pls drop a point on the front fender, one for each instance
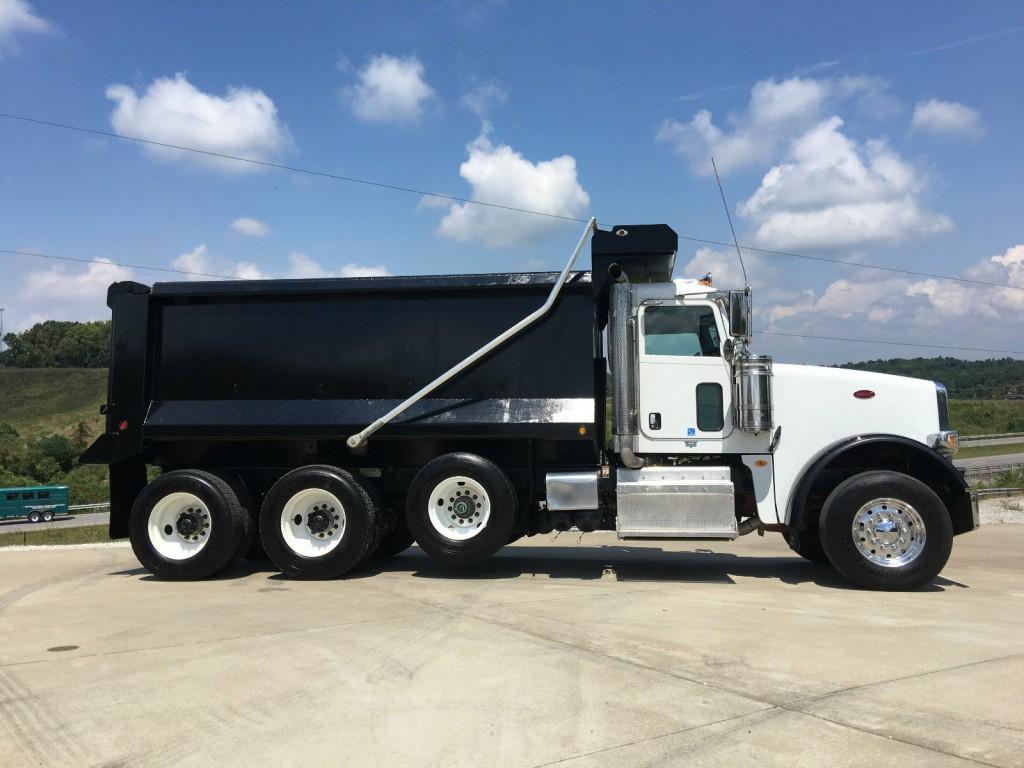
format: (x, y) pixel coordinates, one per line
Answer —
(880, 451)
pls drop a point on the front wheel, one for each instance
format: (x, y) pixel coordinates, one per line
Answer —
(886, 530)
(34, 517)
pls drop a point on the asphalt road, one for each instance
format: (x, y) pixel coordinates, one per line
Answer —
(689, 653)
(68, 521)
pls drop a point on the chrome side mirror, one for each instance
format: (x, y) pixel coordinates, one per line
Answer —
(740, 324)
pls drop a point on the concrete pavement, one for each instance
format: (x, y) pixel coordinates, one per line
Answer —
(65, 521)
(601, 654)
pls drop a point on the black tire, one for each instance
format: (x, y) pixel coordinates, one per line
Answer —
(807, 544)
(250, 521)
(227, 525)
(840, 513)
(48, 516)
(358, 535)
(34, 517)
(383, 519)
(256, 553)
(395, 541)
(491, 537)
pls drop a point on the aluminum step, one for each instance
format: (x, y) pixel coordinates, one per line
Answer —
(675, 503)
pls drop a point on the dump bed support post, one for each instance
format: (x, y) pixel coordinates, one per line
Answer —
(358, 439)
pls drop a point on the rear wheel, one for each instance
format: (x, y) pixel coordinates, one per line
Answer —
(886, 530)
(48, 516)
(250, 520)
(461, 508)
(186, 525)
(395, 541)
(318, 522)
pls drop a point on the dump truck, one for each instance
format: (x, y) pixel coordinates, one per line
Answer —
(327, 422)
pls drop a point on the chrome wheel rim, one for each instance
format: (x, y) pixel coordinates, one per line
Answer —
(889, 533)
(459, 508)
(313, 522)
(179, 526)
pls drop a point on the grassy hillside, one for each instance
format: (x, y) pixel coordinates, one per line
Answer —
(42, 401)
(986, 417)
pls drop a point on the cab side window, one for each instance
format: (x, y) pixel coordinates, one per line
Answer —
(681, 332)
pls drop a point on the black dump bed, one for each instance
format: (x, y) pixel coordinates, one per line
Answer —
(323, 358)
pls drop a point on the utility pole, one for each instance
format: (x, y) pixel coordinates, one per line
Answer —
(1, 329)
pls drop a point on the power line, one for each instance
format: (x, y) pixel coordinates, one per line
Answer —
(114, 264)
(859, 264)
(291, 168)
(766, 333)
(468, 201)
(890, 343)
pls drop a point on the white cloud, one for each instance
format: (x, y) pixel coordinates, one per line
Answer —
(776, 111)
(483, 98)
(300, 265)
(304, 266)
(61, 283)
(946, 117)
(390, 89)
(198, 263)
(499, 174)
(927, 311)
(16, 17)
(831, 192)
(358, 270)
(242, 123)
(844, 299)
(250, 227)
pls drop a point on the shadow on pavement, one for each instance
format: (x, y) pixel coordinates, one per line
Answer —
(621, 563)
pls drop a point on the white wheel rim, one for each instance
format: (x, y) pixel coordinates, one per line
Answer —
(313, 522)
(459, 508)
(179, 526)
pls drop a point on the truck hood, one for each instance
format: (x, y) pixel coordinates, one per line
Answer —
(820, 404)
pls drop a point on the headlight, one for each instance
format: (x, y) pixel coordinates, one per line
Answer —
(946, 442)
(942, 400)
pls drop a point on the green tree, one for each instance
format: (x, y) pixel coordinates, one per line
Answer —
(80, 435)
(59, 344)
(57, 448)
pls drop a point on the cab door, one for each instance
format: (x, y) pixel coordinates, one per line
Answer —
(684, 382)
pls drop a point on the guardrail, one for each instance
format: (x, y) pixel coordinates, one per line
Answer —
(990, 472)
(78, 507)
(982, 492)
(965, 439)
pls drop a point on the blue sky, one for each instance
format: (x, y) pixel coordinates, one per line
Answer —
(878, 132)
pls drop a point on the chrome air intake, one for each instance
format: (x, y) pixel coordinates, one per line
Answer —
(621, 354)
(753, 385)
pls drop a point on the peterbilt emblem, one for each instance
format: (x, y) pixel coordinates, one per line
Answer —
(864, 394)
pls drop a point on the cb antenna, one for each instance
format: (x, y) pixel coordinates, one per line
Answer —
(725, 205)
